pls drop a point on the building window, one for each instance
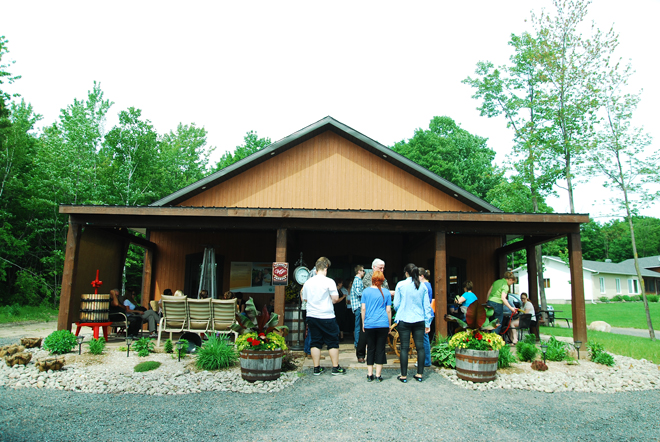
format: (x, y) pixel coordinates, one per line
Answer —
(618, 286)
(633, 287)
(602, 285)
(649, 283)
(546, 283)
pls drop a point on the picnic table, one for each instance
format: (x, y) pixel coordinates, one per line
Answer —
(552, 318)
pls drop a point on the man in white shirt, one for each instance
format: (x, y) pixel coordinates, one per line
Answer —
(320, 293)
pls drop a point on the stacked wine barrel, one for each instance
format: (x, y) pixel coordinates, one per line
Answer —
(94, 307)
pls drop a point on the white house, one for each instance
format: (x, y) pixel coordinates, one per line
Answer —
(600, 279)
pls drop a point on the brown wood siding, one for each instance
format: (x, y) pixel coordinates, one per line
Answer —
(479, 254)
(327, 172)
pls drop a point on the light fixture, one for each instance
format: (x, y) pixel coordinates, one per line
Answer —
(179, 347)
(80, 340)
(544, 348)
(577, 345)
(129, 340)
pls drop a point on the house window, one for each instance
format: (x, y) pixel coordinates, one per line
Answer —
(602, 285)
(633, 287)
(546, 283)
(649, 283)
(618, 286)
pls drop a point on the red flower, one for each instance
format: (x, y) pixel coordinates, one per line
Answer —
(262, 335)
(255, 342)
(250, 339)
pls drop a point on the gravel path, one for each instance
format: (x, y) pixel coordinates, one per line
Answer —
(332, 408)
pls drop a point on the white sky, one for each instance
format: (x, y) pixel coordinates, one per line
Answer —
(382, 68)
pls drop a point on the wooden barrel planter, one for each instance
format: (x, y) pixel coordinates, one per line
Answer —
(476, 365)
(262, 365)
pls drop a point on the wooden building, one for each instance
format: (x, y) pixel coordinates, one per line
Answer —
(326, 190)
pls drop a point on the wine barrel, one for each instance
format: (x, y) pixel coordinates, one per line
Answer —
(262, 365)
(293, 319)
(476, 365)
(94, 307)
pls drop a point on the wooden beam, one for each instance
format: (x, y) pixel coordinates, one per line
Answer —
(280, 256)
(66, 314)
(532, 283)
(147, 273)
(526, 242)
(440, 283)
(577, 288)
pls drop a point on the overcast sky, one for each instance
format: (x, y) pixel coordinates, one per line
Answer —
(383, 68)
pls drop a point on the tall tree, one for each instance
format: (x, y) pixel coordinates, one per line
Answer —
(251, 144)
(454, 154)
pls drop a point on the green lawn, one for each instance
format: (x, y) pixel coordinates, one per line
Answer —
(624, 345)
(627, 315)
(15, 313)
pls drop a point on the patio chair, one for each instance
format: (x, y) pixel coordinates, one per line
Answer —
(199, 315)
(224, 315)
(524, 323)
(175, 313)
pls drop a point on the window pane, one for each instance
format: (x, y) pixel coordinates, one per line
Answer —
(602, 284)
(618, 286)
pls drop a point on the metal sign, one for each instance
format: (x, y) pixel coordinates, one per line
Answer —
(280, 273)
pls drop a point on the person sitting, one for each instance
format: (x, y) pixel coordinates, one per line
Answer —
(467, 298)
(130, 296)
(116, 307)
(203, 294)
(149, 316)
(179, 293)
(528, 308)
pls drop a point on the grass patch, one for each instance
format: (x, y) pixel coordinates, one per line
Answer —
(624, 314)
(17, 313)
(146, 366)
(624, 345)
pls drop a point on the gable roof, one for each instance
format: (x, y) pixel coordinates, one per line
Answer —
(649, 262)
(323, 125)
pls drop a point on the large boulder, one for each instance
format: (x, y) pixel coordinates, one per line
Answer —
(600, 326)
(18, 358)
(50, 363)
(31, 342)
(10, 350)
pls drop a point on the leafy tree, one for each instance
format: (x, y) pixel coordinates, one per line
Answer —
(454, 154)
(251, 144)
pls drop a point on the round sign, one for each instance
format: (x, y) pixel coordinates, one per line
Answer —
(300, 274)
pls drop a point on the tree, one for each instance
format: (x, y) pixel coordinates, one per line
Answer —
(454, 154)
(251, 144)
(619, 155)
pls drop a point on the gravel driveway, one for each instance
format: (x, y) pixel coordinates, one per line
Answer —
(332, 408)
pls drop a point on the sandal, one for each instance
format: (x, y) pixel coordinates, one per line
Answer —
(418, 378)
(404, 380)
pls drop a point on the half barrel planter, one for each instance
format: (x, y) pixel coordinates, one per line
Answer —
(261, 365)
(476, 365)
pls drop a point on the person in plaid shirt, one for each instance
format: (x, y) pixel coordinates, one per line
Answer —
(355, 298)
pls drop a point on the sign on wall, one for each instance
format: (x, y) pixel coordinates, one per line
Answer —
(280, 273)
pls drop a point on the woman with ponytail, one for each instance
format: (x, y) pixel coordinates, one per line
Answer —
(376, 320)
(413, 315)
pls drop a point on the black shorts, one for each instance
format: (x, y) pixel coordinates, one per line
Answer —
(323, 331)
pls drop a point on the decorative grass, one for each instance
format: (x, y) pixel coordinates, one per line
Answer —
(216, 353)
(146, 366)
(624, 345)
(617, 314)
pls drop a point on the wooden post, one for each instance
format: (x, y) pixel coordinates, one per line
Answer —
(577, 288)
(66, 314)
(533, 290)
(440, 286)
(280, 256)
(147, 270)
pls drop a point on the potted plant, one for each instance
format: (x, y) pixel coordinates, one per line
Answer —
(477, 351)
(260, 343)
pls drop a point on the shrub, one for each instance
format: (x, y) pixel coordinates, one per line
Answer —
(143, 346)
(168, 346)
(215, 353)
(14, 310)
(599, 355)
(556, 350)
(617, 298)
(604, 299)
(526, 352)
(653, 298)
(636, 297)
(146, 366)
(96, 346)
(627, 298)
(176, 354)
(530, 339)
(442, 354)
(60, 342)
(506, 358)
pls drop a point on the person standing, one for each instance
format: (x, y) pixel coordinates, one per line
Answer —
(378, 265)
(498, 297)
(424, 276)
(376, 313)
(320, 292)
(413, 315)
(355, 297)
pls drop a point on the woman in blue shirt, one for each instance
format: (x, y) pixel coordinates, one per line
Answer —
(467, 298)
(413, 314)
(376, 320)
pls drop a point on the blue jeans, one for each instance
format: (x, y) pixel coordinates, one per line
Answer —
(358, 328)
(417, 330)
(497, 314)
(427, 350)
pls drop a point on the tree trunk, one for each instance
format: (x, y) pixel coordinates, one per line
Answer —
(539, 278)
(639, 274)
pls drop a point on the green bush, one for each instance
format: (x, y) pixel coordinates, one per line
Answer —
(636, 298)
(604, 299)
(617, 298)
(627, 298)
(146, 366)
(652, 298)
(183, 352)
(556, 350)
(14, 310)
(215, 353)
(168, 346)
(60, 342)
(599, 355)
(96, 346)
(144, 346)
(442, 355)
(530, 339)
(505, 358)
(526, 352)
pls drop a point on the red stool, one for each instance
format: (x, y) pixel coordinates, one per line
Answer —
(95, 326)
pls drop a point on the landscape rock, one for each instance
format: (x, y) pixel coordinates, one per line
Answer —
(31, 342)
(18, 358)
(600, 326)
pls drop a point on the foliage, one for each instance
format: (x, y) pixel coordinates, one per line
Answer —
(617, 298)
(60, 342)
(604, 299)
(96, 346)
(526, 352)
(292, 292)
(252, 144)
(556, 350)
(442, 354)
(653, 298)
(168, 346)
(453, 154)
(611, 240)
(476, 321)
(144, 346)
(146, 366)
(180, 354)
(505, 358)
(216, 353)
(251, 322)
(599, 355)
(289, 362)
(254, 341)
(627, 298)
